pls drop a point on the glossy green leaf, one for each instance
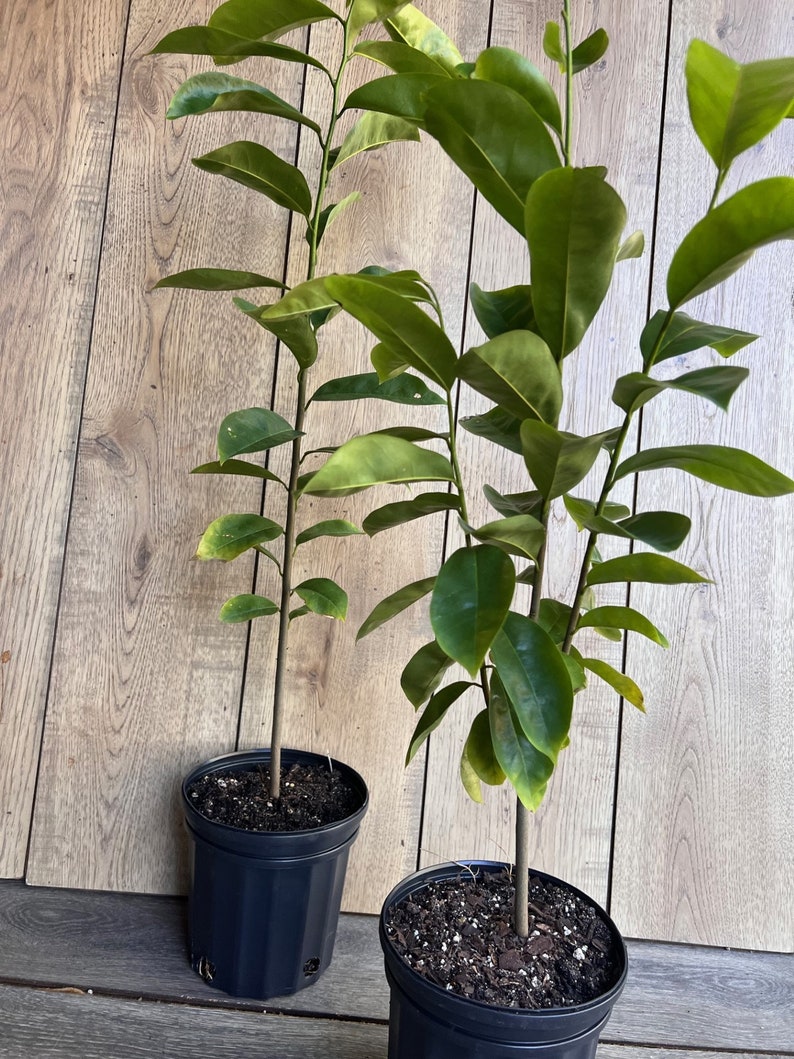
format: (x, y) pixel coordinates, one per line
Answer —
(330, 214)
(406, 282)
(716, 384)
(205, 40)
(520, 535)
(302, 300)
(377, 459)
(507, 504)
(509, 68)
(332, 527)
(323, 596)
(556, 461)
(495, 137)
(391, 515)
(252, 430)
(362, 12)
(683, 335)
(589, 51)
(733, 106)
(216, 92)
(402, 326)
(373, 130)
(433, 714)
(583, 511)
(726, 237)
(536, 681)
(238, 467)
(258, 168)
(231, 535)
(387, 363)
(216, 279)
(400, 57)
(622, 618)
(256, 20)
(423, 673)
(499, 311)
(552, 43)
(632, 247)
(518, 372)
(411, 26)
(622, 684)
(405, 389)
(574, 221)
(245, 608)
(400, 95)
(554, 617)
(663, 530)
(527, 768)
(471, 598)
(497, 426)
(721, 465)
(394, 604)
(644, 566)
(478, 761)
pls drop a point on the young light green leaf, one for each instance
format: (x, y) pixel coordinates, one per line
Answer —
(721, 465)
(305, 298)
(373, 130)
(497, 426)
(583, 511)
(728, 235)
(622, 684)
(204, 40)
(231, 535)
(412, 27)
(716, 384)
(527, 768)
(434, 713)
(405, 389)
(683, 335)
(552, 43)
(246, 608)
(478, 761)
(499, 311)
(423, 673)
(387, 363)
(590, 50)
(216, 92)
(511, 69)
(518, 372)
(520, 535)
(471, 598)
(394, 604)
(622, 618)
(644, 566)
(258, 168)
(391, 515)
(270, 20)
(401, 95)
(400, 57)
(377, 459)
(238, 467)
(634, 246)
(573, 221)
(556, 461)
(733, 106)
(530, 503)
(252, 430)
(323, 596)
(362, 12)
(216, 279)
(332, 527)
(329, 215)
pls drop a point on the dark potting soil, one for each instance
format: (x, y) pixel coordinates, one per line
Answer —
(311, 796)
(457, 933)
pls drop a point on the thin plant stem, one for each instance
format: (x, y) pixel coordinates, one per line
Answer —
(566, 21)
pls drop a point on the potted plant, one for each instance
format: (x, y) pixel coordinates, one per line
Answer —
(500, 121)
(271, 829)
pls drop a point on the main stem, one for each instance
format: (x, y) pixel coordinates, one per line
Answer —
(295, 461)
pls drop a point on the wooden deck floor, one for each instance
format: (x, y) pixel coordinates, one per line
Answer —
(105, 976)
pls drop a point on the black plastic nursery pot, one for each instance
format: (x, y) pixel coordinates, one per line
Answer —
(263, 906)
(428, 1022)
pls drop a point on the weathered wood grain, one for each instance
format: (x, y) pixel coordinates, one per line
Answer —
(145, 680)
(704, 841)
(59, 69)
(572, 830)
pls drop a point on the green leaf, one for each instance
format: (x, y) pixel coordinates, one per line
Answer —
(231, 535)
(554, 617)
(333, 527)
(400, 57)
(377, 459)
(524, 765)
(622, 618)
(622, 684)
(574, 221)
(471, 598)
(204, 40)
(583, 511)
(407, 283)
(387, 364)
(573, 663)
(323, 596)
(329, 215)
(726, 237)
(373, 130)
(536, 681)
(403, 511)
(511, 69)
(478, 761)
(256, 167)
(412, 27)
(734, 106)
(634, 246)
(412, 434)
(498, 311)
(394, 604)
(683, 335)
(304, 299)
(252, 430)
(216, 279)
(495, 137)
(556, 461)
(362, 12)
(297, 334)
(216, 92)
(433, 714)
(552, 43)
(518, 372)
(245, 608)
(238, 467)
(530, 503)
(271, 19)
(590, 50)
(403, 327)
(716, 384)
(644, 566)
(721, 465)
(663, 530)
(520, 535)
(405, 389)
(401, 95)
(423, 673)
(497, 426)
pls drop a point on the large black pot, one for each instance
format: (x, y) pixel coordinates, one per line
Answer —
(427, 1022)
(264, 906)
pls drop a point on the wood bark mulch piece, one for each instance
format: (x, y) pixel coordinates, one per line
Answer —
(311, 796)
(457, 933)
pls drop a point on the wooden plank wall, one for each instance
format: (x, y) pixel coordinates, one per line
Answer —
(145, 681)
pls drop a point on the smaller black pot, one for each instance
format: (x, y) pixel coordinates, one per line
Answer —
(428, 1022)
(264, 906)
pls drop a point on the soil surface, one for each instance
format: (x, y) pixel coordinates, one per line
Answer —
(311, 796)
(457, 933)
